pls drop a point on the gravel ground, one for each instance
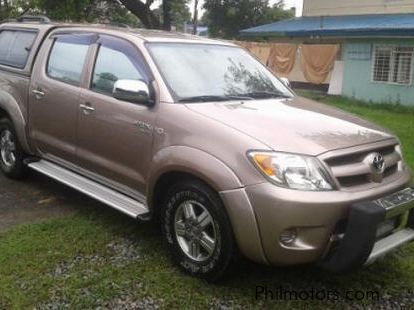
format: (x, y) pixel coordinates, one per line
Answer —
(120, 252)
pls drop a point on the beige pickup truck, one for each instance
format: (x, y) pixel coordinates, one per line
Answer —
(200, 135)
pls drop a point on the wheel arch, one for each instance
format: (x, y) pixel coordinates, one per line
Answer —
(10, 109)
(177, 162)
(174, 164)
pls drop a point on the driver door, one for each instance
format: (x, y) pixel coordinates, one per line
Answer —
(111, 144)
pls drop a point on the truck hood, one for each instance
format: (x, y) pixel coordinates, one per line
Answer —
(296, 125)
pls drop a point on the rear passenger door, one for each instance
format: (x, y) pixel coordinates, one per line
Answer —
(110, 142)
(54, 95)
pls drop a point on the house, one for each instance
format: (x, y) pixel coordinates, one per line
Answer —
(202, 30)
(375, 40)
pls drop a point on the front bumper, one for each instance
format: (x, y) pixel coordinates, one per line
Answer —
(261, 213)
(363, 239)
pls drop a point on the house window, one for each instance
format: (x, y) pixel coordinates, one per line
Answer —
(393, 65)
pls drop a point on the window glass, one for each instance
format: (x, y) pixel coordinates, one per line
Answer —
(67, 59)
(402, 65)
(113, 65)
(15, 47)
(202, 70)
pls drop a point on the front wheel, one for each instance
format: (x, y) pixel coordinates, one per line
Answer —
(11, 153)
(197, 230)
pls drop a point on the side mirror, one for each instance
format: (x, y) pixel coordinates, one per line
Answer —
(135, 91)
(285, 81)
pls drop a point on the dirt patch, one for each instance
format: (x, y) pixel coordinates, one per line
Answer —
(35, 199)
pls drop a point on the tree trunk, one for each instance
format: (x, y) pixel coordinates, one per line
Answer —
(195, 19)
(143, 12)
(166, 11)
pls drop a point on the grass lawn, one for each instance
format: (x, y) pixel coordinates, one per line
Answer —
(100, 258)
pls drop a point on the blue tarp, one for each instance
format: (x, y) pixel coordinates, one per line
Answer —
(338, 26)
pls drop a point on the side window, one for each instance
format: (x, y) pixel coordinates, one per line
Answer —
(67, 58)
(116, 62)
(15, 46)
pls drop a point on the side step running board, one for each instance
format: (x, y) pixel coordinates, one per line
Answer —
(95, 190)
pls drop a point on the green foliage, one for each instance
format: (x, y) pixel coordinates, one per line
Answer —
(103, 11)
(74, 10)
(226, 18)
(180, 13)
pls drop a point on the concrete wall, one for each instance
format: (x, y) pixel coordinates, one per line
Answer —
(358, 70)
(356, 7)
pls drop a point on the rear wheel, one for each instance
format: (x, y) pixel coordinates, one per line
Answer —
(11, 153)
(197, 230)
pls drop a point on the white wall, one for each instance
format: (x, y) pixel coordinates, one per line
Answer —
(356, 7)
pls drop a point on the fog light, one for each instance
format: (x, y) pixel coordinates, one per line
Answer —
(288, 236)
(386, 227)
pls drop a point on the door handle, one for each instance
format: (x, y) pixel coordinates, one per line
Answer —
(38, 92)
(87, 108)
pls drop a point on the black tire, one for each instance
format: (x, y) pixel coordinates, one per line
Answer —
(14, 169)
(216, 265)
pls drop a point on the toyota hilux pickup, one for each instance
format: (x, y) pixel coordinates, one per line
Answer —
(199, 135)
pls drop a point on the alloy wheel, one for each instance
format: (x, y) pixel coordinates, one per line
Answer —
(7, 148)
(195, 230)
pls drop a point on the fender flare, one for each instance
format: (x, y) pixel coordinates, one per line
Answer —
(9, 104)
(223, 180)
(184, 159)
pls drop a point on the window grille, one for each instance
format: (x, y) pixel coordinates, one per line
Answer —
(393, 65)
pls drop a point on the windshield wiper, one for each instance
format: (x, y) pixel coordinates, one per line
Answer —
(207, 98)
(265, 95)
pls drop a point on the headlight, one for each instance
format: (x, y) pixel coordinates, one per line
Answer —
(292, 171)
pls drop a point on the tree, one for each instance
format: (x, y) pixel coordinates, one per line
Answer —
(119, 11)
(277, 12)
(225, 18)
(143, 11)
(180, 13)
(10, 9)
(108, 11)
(67, 10)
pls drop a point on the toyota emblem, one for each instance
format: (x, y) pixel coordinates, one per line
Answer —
(378, 163)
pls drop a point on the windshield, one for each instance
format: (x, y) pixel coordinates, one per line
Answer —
(203, 72)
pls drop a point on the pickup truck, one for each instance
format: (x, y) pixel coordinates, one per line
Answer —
(199, 135)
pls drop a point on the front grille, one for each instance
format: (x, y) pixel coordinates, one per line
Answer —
(350, 169)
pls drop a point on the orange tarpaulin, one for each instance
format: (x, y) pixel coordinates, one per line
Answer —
(317, 61)
(282, 58)
(261, 51)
